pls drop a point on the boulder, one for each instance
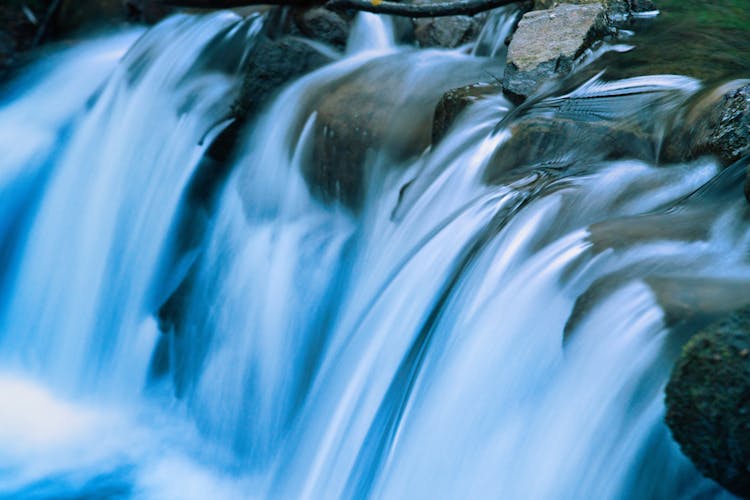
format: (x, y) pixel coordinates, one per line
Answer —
(615, 8)
(447, 32)
(16, 34)
(547, 43)
(550, 4)
(323, 25)
(453, 102)
(728, 134)
(148, 11)
(537, 142)
(73, 15)
(384, 108)
(273, 64)
(708, 401)
(718, 125)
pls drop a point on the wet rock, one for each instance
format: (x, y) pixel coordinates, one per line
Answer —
(718, 125)
(148, 11)
(447, 32)
(355, 119)
(698, 301)
(708, 401)
(454, 102)
(550, 4)
(273, 64)
(641, 5)
(729, 138)
(73, 15)
(546, 44)
(538, 143)
(18, 30)
(688, 304)
(615, 8)
(385, 108)
(323, 25)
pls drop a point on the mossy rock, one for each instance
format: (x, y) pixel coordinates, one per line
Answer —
(708, 401)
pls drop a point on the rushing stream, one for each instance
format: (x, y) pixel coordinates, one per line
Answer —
(487, 323)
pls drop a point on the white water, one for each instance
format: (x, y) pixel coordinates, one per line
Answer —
(414, 349)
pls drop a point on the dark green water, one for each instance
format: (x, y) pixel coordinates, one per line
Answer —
(709, 40)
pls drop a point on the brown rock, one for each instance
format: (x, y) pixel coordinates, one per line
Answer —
(385, 107)
(454, 102)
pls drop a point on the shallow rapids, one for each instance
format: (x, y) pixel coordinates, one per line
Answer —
(488, 320)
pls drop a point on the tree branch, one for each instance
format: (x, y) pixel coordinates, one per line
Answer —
(439, 9)
(451, 8)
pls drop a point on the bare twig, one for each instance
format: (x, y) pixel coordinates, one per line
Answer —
(454, 8)
(447, 8)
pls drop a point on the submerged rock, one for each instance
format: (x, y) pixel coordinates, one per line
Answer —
(542, 142)
(384, 108)
(708, 401)
(546, 44)
(697, 302)
(454, 102)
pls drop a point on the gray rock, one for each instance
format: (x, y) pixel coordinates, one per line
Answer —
(448, 32)
(730, 140)
(546, 44)
(717, 125)
(273, 64)
(323, 25)
(549, 4)
(622, 8)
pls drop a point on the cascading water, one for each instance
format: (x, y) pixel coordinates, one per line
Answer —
(445, 339)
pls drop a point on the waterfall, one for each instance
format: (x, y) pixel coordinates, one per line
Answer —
(482, 323)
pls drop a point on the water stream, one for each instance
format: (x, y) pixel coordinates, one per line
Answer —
(485, 324)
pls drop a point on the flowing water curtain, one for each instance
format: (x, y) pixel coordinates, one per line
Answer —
(83, 292)
(276, 272)
(431, 343)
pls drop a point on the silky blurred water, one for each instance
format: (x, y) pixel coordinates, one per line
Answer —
(431, 343)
